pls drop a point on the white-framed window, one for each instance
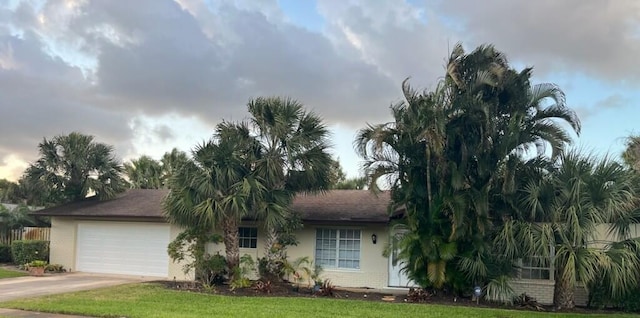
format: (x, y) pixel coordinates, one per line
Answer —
(537, 267)
(248, 237)
(338, 248)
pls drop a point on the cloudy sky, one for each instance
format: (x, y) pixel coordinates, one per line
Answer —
(150, 75)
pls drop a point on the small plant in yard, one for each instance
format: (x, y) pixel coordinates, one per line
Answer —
(297, 270)
(262, 286)
(239, 278)
(36, 268)
(418, 295)
(315, 278)
(528, 302)
(327, 289)
(55, 268)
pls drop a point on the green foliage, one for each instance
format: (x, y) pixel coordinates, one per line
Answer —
(55, 268)
(631, 154)
(499, 290)
(72, 166)
(5, 253)
(572, 200)
(172, 161)
(37, 263)
(144, 173)
(10, 192)
(190, 245)
(240, 275)
(212, 270)
(154, 300)
(17, 218)
(26, 251)
(252, 171)
(453, 157)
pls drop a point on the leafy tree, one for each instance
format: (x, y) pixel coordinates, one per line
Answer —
(296, 159)
(337, 174)
(339, 180)
(9, 191)
(144, 173)
(71, 167)
(450, 156)
(16, 218)
(358, 183)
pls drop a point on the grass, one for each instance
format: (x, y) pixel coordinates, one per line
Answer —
(152, 300)
(5, 273)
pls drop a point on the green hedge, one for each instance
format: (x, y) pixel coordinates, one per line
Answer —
(5, 253)
(26, 251)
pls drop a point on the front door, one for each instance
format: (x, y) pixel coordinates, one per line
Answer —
(397, 277)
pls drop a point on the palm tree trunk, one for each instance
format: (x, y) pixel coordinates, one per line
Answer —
(429, 195)
(563, 297)
(231, 243)
(273, 253)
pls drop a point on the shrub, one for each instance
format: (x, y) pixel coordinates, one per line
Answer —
(37, 263)
(262, 286)
(5, 253)
(418, 295)
(27, 251)
(211, 270)
(528, 302)
(327, 289)
(55, 268)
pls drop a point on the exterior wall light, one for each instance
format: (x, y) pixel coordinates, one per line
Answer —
(374, 238)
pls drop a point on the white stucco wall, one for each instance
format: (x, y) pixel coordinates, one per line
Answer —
(373, 271)
(63, 244)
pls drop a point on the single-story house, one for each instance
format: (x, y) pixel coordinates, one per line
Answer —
(345, 231)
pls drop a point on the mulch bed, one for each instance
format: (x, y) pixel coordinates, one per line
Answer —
(284, 289)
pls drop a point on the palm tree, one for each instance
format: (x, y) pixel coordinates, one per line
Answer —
(172, 161)
(219, 187)
(296, 159)
(571, 201)
(449, 156)
(144, 173)
(72, 166)
(631, 155)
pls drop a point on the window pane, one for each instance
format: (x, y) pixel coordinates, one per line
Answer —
(248, 237)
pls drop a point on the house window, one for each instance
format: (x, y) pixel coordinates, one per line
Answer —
(338, 248)
(248, 237)
(537, 267)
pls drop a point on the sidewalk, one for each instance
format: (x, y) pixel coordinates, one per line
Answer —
(21, 313)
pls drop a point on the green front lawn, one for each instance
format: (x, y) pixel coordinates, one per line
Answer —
(152, 300)
(6, 273)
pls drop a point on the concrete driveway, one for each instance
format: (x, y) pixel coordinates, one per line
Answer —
(28, 286)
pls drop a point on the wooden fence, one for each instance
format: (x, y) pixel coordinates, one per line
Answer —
(27, 233)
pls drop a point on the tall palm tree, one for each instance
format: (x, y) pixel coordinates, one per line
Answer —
(72, 166)
(296, 159)
(144, 173)
(449, 155)
(571, 201)
(220, 187)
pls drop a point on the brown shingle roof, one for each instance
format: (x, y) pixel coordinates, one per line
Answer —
(335, 205)
(343, 205)
(131, 203)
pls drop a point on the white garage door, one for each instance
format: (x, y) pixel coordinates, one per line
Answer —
(123, 248)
